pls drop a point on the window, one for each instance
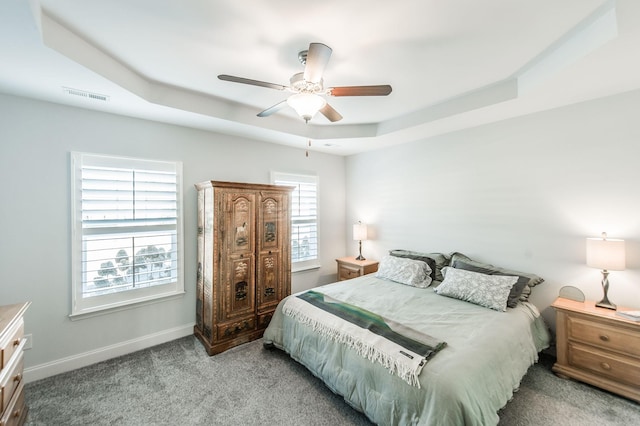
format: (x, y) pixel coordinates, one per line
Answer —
(304, 218)
(127, 231)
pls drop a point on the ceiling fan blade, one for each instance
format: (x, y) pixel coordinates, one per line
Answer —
(317, 59)
(382, 90)
(330, 113)
(277, 107)
(251, 82)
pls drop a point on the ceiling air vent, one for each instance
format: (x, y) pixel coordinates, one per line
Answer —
(85, 94)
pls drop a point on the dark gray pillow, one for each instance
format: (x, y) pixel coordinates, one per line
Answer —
(460, 261)
(436, 261)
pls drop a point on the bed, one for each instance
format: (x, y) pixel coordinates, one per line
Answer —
(486, 352)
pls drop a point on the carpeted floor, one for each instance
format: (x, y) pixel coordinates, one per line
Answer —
(177, 383)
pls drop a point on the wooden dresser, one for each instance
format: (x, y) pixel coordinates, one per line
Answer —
(596, 346)
(244, 260)
(12, 341)
(349, 267)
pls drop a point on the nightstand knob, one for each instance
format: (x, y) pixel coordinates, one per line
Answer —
(604, 338)
(605, 366)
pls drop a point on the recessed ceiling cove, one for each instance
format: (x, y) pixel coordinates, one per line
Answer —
(452, 65)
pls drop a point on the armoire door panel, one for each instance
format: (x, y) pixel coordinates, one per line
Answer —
(269, 281)
(240, 222)
(272, 218)
(240, 290)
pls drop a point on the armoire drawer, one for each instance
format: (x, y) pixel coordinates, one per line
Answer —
(264, 319)
(232, 329)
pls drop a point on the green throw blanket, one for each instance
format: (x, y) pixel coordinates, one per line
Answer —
(400, 349)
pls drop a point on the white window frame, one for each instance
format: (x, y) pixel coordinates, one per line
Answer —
(95, 305)
(293, 179)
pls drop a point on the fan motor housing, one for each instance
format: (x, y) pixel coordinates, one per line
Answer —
(302, 56)
(300, 85)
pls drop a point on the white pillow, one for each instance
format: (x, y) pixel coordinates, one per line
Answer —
(490, 291)
(411, 272)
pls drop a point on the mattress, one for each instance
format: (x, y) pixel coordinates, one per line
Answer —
(466, 383)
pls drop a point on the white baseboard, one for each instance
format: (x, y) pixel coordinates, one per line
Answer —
(74, 362)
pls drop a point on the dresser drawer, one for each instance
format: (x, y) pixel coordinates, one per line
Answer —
(16, 411)
(232, 329)
(346, 273)
(620, 368)
(11, 380)
(604, 336)
(11, 343)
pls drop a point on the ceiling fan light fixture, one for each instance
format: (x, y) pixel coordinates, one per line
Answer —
(307, 87)
(306, 104)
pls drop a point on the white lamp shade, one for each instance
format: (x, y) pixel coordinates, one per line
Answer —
(359, 232)
(306, 104)
(606, 254)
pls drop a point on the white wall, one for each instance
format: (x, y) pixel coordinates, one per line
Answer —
(522, 193)
(35, 141)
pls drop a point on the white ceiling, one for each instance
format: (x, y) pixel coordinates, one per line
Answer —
(452, 64)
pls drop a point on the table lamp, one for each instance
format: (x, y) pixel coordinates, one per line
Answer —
(359, 234)
(605, 254)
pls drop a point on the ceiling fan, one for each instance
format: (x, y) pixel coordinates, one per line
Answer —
(307, 87)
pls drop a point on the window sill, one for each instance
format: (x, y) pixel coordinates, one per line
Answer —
(304, 268)
(133, 305)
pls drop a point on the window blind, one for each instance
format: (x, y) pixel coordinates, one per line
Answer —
(304, 215)
(127, 197)
(128, 228)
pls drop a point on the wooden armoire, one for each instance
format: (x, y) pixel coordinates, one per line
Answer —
(244, 260)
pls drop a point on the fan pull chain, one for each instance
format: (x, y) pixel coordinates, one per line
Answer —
(309, 146)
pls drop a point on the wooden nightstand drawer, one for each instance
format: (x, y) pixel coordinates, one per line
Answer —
(609, 365)
(346, 272)
(604, 336)
(349, 267)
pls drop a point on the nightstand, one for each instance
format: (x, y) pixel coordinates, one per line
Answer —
(349, 267)
(596, 346)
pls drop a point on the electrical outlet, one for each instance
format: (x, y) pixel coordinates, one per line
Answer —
(29, 343)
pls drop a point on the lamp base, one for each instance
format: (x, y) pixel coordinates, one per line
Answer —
(360, 256)
(605, 303)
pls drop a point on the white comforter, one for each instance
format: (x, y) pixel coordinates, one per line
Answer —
(487, 354)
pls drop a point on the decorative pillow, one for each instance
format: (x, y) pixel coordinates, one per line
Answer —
(426, 259)
(526, 292)
(517, 293)
(490, 291)
(406, 271)
(440, 259)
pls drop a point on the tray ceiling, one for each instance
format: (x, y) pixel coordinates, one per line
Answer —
(452, 65)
